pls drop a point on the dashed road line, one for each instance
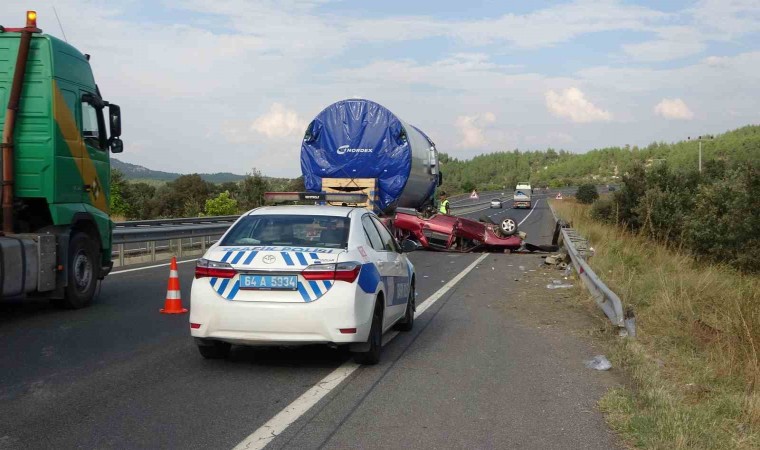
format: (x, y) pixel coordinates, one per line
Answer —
(282, 420)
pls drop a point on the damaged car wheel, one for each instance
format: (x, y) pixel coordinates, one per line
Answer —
(508, 226)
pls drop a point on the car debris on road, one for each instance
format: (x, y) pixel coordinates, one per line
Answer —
(598, 362)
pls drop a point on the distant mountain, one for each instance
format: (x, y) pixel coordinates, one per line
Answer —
(136, 172)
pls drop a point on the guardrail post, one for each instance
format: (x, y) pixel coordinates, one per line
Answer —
(179, 247)
(203, 243)
(152, 245)
(121, 255)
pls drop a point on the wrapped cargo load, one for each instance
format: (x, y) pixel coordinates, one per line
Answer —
(358, 144)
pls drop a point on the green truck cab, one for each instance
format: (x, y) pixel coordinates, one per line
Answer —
(56, 235)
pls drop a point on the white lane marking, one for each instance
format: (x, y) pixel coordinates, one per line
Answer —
(478, 210)
(531, 212)
(446, 287)
(277, 424)
(149, 267)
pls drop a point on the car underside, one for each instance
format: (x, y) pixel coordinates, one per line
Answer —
(457, 234)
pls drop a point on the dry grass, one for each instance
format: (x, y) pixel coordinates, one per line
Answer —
(694, 366)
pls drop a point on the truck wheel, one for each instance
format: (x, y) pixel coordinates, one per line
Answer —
(82, 273)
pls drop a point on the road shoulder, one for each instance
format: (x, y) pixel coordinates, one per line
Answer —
(462, 382)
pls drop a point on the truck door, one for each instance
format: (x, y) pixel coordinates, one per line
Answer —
(95, 159)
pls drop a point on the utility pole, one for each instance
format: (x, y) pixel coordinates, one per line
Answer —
(700, 139)
(700, 155)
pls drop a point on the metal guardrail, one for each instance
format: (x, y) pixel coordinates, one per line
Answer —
(135, 235)
(174, 222)
(200, 236)
(608, 301)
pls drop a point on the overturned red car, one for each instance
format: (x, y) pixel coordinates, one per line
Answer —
(457, 234)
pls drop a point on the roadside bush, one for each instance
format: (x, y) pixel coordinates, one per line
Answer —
(725, 221)
(221, 205)
(605, 210)
(587, 194)
(713, 214)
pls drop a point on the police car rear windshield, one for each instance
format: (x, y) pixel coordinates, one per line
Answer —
(290, 230)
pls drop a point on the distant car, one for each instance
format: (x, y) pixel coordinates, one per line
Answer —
(291, 275)
(496, 203)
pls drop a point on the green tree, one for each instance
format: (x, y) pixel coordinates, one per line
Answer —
(252, 190)
(587, 193)
(185, 196)
(222, 205)
(118, 205)
(140, 198)
(296, 185)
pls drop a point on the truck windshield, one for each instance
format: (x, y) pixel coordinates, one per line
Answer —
(290, 230)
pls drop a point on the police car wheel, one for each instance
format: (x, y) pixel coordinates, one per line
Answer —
(214, 349)
(375, 340)
(407, 323)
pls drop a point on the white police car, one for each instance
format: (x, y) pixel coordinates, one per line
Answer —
(303, 275)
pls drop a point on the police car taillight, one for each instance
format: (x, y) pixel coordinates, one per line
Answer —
(345, 271)
(205, 268)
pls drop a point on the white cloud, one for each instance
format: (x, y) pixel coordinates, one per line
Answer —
(572, 104)
(279, 122)
(673, 108)
(205, 69)
(716, 61)
(552, 139)
(472, 129)
(558, 23)
(726, 19)
(672, 43)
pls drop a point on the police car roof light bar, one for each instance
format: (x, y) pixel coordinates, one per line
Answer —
(333, 197)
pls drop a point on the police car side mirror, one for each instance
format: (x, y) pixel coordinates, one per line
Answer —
(408, 245)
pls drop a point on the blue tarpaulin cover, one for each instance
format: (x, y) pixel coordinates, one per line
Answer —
(357, 139)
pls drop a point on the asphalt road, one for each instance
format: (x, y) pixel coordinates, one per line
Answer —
(121, 375)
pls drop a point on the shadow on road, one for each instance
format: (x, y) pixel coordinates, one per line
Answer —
(310, 356)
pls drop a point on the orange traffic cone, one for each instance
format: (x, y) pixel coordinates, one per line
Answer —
(173, 303)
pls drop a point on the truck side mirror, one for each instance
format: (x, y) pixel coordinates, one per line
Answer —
(114, 116)
(117, 146)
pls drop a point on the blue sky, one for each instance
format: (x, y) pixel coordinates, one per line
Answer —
(229, 85)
